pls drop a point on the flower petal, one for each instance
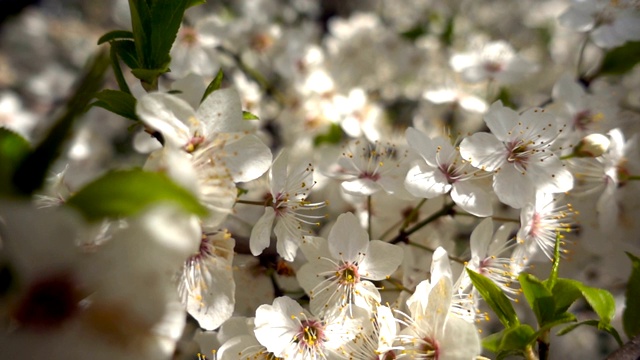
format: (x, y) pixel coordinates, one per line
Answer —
(347, 239)
(261, 232)
(381, 260)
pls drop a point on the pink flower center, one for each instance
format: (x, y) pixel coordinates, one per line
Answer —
(311, 334)
(347, 274)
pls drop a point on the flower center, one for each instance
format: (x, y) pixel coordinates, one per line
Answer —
(429, 349)
(311, 334)
(347, 274)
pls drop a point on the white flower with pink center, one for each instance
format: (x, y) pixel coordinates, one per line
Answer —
(290, 332)
(518, 151)
(443, 171)
(339, 268)
(286, 206)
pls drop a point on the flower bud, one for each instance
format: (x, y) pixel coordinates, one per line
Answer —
(592, 145)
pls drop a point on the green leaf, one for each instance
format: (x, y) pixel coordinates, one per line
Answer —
(126, 50)
(597, 324)
(118, 102)
(115, 35)
(249, 116)
(117, 70)
(631, 315)
(214, 85)
(124, 193)
(415, 32)
(447, 35)
(141, 25)
(495, 298)
(492, 342)
(195, 2)
(565, 293)
(166, 17)
(13, 149)
(517, 338)
(601, 301)
(333, 136)
(559, 319)
(32, 171)
(621, 59)
(539, 298)
(553, 276)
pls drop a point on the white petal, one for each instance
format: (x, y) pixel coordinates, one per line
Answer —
(484, 151)
(480, 238)
(421, 144)
(438, 306)
(261, 232)
(278, 172)
(472, 198)
(551, 176)
(221, 111)
(501, 120)
(289, 236)
(440, 266)
(381, 261)
(247, 158)
(347, 238)
(364, 187)
(457, 331)
(423, 181)
(212, 299)
(275, 328)
(512, 187)
(169, 115)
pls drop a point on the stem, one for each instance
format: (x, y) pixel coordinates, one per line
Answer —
(250, 202)
(634, 177)
(567, 157)
(529, 354)
(398, 284)
(402, 236)
(496, 218)
(543, 345)
(423, 247)
(369, 216)
(412, 214)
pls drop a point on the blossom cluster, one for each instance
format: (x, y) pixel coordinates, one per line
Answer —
(354, 165)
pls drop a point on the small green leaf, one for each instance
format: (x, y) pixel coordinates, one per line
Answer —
(117, 70)
(166, 17)
(492, 342)
(124, 193)
(141, 25)
(597, 324)
(559, 319)
(631, 315)
(517, 338)
(118, 102)
(565, 293)
(126, 50)
(553, 276)
(333, 136)
(214, 85)
(13, 149)
(601, 301)
(195, 3)
(249, 116)
(495, 298)
(539, 298)
(621, 59)
(447, 35)
(32, 171)
(415, 32)
(115, 35)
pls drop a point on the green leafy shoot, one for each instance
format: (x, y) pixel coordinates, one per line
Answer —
(32, 171)
(631, 315)
(124, 193)
(495, 298)
(539, 298)
(13, 149)
(118, 102)
(620, 60)
(115, 35)
(214, 85)
(249, 116)
(333, 136)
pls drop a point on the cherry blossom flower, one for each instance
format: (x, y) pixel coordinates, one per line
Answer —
(496, 61)
(443, 171)
(339, 268)
(290, 332)
(518, 151)
(290, 188)
(609, 23)
(206, 285)
(433, 331)
(366, 168)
